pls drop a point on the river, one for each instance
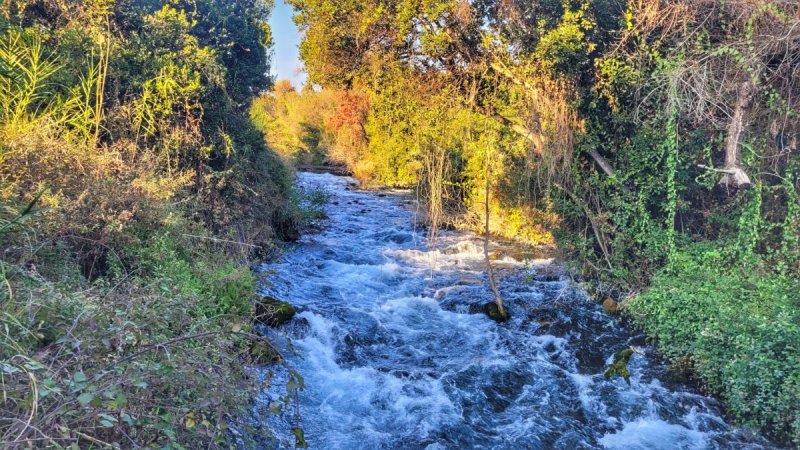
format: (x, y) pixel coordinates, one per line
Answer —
(395, 353)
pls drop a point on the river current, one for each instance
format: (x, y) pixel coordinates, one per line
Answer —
(396, 354)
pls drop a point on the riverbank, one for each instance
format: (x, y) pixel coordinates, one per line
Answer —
(152, 353)
(735, 332)
(94, 363)
(134, 191)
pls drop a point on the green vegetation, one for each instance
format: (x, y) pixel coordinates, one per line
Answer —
(133, 192)
(620, 366)
(740, 328)
(631, 132)
(655, 141)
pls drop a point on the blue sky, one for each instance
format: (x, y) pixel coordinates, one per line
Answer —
(286, 62)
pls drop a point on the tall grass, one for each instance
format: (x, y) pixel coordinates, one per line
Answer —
(25, 93)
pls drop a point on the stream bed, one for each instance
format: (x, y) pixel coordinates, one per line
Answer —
(396, 353)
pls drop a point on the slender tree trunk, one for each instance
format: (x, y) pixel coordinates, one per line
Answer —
(498, 299)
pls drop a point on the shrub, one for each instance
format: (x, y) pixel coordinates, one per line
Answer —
(143, 359)
(740, 329)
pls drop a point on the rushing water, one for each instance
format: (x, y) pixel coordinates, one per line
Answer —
(396, 354)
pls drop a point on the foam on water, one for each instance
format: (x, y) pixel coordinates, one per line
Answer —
(654, 434)
(396, 353)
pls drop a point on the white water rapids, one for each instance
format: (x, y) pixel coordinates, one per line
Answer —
(396, 354)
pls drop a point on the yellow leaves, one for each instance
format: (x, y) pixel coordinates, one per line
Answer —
(525, 224)
(161, 188)
(192, 420)
(266, 39)
(169, 19)
(50, 200)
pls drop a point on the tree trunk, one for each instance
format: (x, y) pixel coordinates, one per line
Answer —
(501, 314)
(734, 174)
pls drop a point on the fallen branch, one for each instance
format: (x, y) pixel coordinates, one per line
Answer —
(598, 158)
(252, 337)
(94, 440)
(221, 240)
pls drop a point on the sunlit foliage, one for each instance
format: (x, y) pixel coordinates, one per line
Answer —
(133, 190)
(630, 129)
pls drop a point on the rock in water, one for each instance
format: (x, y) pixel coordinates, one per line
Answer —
(273, 312)
(263, 353)
(493, 312)
(610, 306)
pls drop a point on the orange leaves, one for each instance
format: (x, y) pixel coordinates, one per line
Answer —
(351, 111)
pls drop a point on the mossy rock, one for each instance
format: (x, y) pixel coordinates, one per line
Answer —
(610, 305)
(494, 313)
(273, 312)
(620, 366)
(263, 353)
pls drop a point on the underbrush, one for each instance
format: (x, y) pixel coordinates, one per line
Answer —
(738, 326)
(528, 226)
(126, 307)
(151, 355)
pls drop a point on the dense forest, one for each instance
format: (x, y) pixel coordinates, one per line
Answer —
(146, 161)
(656, 142)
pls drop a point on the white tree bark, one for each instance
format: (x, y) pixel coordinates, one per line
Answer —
(735, 176)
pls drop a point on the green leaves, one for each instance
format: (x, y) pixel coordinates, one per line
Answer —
(28, 67)
(295, 383)
(86, 398)
(300, 438)
(107, 421)
(737, 326)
